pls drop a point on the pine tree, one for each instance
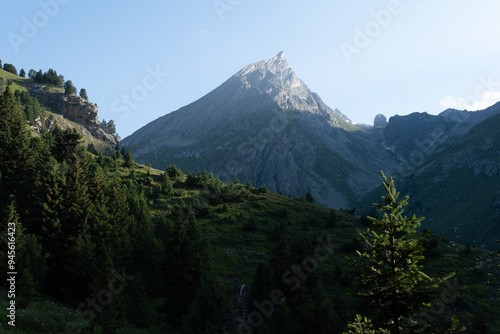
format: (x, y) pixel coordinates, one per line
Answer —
(48, 202)
(22, 73)
(83, 94)
(174, 172)
(389, 270)
(309, 197)
(129, 160)
(67, 146)
(363, 326)
(13, 231)
(69, 89)
(16, 157)
(166, 185)
(32, 262)
(10, 68)
(38, 77)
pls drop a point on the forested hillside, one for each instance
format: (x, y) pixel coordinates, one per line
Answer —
(104, 245)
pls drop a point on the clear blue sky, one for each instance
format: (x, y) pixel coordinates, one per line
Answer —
(416, 56)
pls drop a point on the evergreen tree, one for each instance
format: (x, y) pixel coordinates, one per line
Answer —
(22, 73)
(29, 260)
(39, 77)
(12, 231)
(111, 127)
(69, 89)
(117, 155)
(309, 197)
(363, 326)
(174, 172)
(31, 74)
(10, 68)
(67, 146)
(129, 160)
(166, 185)
(32, 260)
(16, 156)
(60, 81)
(83, 94)
(389, 269)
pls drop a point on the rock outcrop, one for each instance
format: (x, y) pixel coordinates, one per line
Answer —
(73, 107)
(77, 110)
(380, 121)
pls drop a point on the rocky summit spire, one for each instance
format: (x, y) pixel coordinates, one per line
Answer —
(277, 79)
(278, 64)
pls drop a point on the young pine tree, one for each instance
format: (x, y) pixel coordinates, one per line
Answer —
(83, 94)
(388, 269)
(129, 160)
(166, 185)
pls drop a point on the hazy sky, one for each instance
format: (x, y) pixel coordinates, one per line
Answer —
(139, 60)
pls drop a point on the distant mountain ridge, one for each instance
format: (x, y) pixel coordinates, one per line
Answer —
(450, 167)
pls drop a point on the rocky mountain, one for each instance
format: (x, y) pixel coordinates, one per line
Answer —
(459, 190)
(419, 137)
(264, 125)
(450, 167)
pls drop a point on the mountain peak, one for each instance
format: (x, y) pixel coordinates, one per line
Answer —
(277, 79)
(278, 64)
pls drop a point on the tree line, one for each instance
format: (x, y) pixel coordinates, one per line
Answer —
(48, 77)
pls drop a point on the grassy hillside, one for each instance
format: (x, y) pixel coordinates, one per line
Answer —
(18, 83)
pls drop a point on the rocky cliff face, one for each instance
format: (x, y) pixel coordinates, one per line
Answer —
(76, 109)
